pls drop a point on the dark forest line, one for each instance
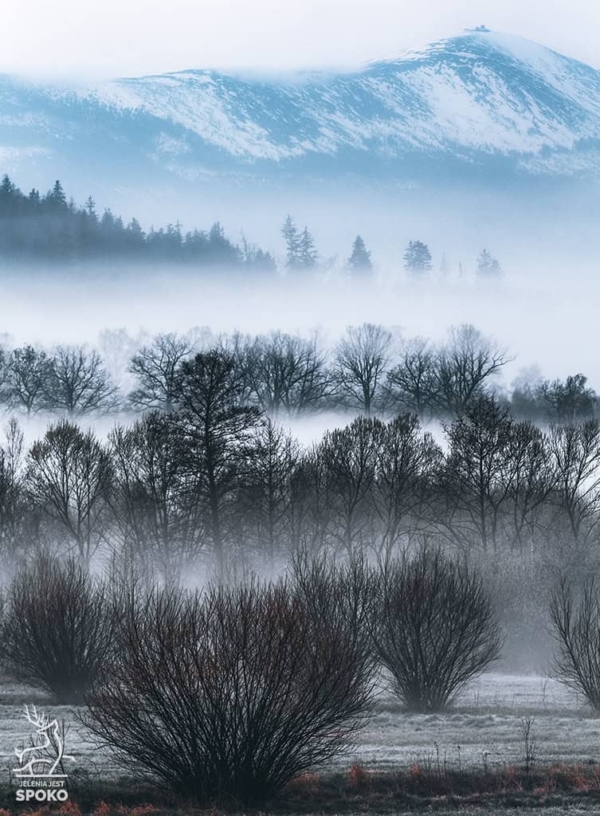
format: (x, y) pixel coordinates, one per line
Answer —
(52, 228)
(215, 478)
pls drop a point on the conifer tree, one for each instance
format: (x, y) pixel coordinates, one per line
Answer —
(417, 258)
(292, 242)
(360, 260)
(488, 266)
(308, 254)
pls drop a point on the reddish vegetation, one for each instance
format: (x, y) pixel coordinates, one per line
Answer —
(422, 786)
(102, 809)
(357, 776)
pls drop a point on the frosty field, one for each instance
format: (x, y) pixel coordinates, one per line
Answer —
(483, 729)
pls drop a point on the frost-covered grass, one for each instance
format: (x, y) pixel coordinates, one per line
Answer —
(483, 730)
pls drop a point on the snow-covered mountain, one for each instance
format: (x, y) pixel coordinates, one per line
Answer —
(480, 105)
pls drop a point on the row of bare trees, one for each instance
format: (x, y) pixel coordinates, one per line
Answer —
(70, 380)
(279, 373)
(370, 370)
(214, 480)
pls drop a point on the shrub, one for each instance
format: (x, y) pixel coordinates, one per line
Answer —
(230, 693)
(57, 629)
(435, 628)
(576, 629)
(346, 590)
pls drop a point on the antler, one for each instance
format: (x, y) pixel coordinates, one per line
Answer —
(38, 720)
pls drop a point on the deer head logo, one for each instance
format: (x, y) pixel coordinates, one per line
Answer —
(44, 757)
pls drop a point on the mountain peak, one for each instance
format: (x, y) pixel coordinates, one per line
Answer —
(482, 99)
(480, 41)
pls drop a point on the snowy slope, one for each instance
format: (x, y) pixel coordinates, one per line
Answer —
(481, 102)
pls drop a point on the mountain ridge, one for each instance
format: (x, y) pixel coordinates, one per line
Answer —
(480, 104)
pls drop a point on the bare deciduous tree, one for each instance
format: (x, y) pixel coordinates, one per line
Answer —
(157, 515)
(570, 401)
(463, 366)
(29, 380)
(14, 507)
(69, 474)
(473, 484)
(411, 384)
(156, 368)
(407, 461)
(530, 478)
(79, 383)
(216, 431)
(361, 360)
(312, 503)
(267, 491)
(575, 454)
(287, 374)
(349, 456)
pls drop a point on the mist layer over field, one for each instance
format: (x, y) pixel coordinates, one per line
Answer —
(543, 317)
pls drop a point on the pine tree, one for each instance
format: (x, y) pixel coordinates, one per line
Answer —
(57, 197)
(8, 196)
(361, 258)
(444, 266)
(135, 232)
(220, 250)
(90, 207)
(487, 265)
(7, 188)
(308, 254)
(292, 241)
(417, 258)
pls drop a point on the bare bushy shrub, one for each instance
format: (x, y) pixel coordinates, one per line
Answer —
(435, 628)
(343, 591)
(229, 693)
(576, 629)
(57, 629)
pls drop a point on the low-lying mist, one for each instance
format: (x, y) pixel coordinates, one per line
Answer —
(542, 316)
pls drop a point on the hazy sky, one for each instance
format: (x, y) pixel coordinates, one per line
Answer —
(131, 37)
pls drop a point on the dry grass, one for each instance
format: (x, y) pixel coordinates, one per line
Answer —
(417, 789)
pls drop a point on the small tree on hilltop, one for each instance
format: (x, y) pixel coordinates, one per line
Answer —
(417, 258)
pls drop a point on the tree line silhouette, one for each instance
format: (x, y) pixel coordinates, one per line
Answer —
(216, 478)
(52, 227)
(370, 370)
